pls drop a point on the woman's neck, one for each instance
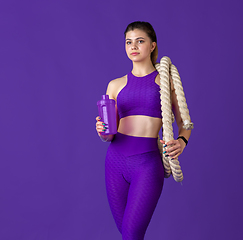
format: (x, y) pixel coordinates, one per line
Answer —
(141, 69)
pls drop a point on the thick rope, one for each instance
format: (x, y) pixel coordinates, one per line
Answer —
(165, 67)
(187, 124)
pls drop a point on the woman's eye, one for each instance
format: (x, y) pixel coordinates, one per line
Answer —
(128, 43)
(140, 41)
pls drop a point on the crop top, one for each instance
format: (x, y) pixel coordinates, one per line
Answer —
(140, 96)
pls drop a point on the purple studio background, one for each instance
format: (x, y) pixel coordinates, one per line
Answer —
(56, 59)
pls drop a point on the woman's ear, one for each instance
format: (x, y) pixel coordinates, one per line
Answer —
(153, 46)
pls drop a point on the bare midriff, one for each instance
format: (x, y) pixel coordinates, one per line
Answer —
(140, 126)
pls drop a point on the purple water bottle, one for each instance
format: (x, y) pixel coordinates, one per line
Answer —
(107, 113)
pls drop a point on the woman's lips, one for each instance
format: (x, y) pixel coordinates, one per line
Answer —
(135, 53)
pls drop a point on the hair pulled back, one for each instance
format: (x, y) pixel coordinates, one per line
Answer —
(148, 29)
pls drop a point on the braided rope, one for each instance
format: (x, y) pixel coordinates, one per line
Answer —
(165, 67)
(187, 124)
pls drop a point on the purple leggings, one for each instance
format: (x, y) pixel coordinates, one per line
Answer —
(134, 179)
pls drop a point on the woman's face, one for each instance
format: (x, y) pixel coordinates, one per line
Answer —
(138, 45)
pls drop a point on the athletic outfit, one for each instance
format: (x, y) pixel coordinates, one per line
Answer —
(133, 168)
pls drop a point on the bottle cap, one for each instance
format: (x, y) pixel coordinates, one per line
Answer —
(104, 97)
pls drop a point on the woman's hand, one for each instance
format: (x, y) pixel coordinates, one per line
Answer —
(176, 147)
(100, 126)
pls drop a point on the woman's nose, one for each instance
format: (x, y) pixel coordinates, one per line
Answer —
(134, 46)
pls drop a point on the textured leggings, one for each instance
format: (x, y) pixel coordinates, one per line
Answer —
(134, 179)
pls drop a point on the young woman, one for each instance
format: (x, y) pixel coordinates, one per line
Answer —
(133, 166)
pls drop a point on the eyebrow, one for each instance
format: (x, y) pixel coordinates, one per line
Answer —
(135, 39)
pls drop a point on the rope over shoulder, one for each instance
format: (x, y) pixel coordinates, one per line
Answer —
(165, 68)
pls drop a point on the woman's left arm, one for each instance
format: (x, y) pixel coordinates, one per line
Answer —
(177, 146)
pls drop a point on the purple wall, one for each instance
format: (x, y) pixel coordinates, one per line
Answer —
(56, 59)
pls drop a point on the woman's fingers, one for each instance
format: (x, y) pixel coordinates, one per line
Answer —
(172, 142)
(175, 153)
(100, 126)
(174, 150)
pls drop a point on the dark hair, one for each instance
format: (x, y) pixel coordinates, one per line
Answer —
(146, 27)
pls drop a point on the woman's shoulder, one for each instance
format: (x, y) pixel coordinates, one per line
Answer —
(115, 85)
(118, 80)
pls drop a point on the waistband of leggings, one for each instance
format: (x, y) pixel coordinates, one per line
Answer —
(131, 145)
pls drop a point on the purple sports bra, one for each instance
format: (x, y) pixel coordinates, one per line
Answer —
(140, 96)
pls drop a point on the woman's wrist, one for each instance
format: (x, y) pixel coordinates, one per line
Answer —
(105, 138)
(183, 138)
